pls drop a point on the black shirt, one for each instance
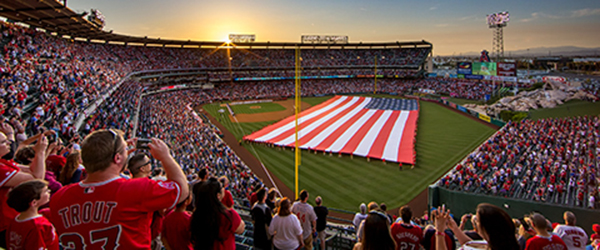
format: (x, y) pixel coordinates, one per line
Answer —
(322, 213)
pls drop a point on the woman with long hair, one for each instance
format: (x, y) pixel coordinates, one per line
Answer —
(377, 234)
(494, 225)
(285, 228)
(213, 226)
(71, 173)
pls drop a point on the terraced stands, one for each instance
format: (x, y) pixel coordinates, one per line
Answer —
(549, 160)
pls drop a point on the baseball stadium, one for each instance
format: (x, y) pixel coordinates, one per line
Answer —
(352, 123)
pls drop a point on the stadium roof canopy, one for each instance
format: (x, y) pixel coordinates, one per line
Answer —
(53, 16)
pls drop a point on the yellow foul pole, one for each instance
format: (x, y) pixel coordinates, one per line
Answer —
(375, 87)
(297, 112)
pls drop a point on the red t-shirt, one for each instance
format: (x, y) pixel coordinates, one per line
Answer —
(227, 231)
(33, 233)
(116, 212)
(227, 199)
(407, 236)
(553, 242)
(8, 169)
(253, 199)
(176, 230)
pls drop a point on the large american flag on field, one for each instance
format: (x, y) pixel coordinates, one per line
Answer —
(377, 128)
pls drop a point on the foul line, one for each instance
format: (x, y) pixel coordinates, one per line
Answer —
(257, 155)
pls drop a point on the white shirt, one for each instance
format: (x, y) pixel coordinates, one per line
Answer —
(285, 230)
(573, 236)
(306, 214)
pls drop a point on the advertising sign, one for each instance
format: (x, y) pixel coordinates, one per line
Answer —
(474, 77)
(464, 68)
(484, 68)
(507, 69)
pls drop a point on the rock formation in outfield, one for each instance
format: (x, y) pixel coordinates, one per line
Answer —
(550, 95)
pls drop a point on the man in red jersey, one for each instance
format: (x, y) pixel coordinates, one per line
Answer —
(406, 235)
(106, 211)
(11, 176)
(543, 240)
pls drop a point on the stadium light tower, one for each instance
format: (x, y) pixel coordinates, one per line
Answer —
(497, 22)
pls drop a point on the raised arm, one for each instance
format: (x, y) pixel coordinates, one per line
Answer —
(460, 235)
(38, 164)
(160, 151)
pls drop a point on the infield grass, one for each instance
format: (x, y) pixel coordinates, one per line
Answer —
(443, 138)
(255, 108)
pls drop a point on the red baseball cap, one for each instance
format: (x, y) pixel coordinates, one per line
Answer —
(55, 163)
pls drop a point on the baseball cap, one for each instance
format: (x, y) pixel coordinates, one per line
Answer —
(55, 163)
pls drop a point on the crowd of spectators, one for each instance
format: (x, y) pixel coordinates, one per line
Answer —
(196, 144)
(551, 160)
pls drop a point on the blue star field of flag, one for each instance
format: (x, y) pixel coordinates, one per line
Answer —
(392, 104)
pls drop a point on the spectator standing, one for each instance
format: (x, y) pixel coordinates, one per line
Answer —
(574, 237)
(125, 206)
(175, 233)
(373, 206)
(140, 166)
(30, 230)
(213, 226)
(493, 224)
(261, 215)
(406, 235)
(227, 197)
(71, 173)
(308, 218)
(360, 216)
(377, 233)
(383, 208)
(11, 176)
(321, 212)
(543, 239)
(285, 227)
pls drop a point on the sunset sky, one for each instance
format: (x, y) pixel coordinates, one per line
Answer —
(454, 27)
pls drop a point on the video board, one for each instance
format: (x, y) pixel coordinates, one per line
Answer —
(484, 68)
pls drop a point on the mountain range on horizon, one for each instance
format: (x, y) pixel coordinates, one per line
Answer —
(544, 51)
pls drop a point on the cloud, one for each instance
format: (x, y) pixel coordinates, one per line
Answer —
(442, 25)
(534, 16)
(539, 15)
(435, 7)
(585, 12)
(572, 14)
(472, 18)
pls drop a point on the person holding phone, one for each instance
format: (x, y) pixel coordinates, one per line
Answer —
(125, 205)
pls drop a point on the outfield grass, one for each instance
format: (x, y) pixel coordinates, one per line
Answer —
(252, 108)
(461, 101)
(569, 109)
(444, 137)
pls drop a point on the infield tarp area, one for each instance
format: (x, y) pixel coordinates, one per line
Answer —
(378, 128)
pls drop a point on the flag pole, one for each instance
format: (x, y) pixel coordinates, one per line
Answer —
(297, 111)
(375, 88)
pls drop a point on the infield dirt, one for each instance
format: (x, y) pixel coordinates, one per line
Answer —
(270, 116)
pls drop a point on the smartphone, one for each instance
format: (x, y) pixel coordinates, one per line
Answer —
(469, 216)
(53, 137)
(142, 143)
